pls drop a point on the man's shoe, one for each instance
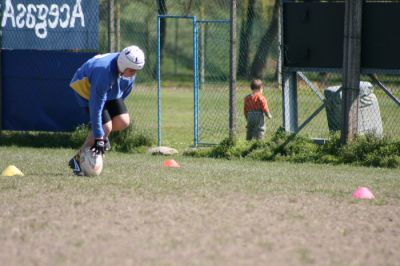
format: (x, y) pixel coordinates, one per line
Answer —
(75, 165)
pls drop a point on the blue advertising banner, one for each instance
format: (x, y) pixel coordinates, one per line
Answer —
(49, 24)
(36, 93)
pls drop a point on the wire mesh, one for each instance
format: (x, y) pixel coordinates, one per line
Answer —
(176, 63)
(214, 81)
(138, 25)
(378, 107)
(311, 89)
(386, 90)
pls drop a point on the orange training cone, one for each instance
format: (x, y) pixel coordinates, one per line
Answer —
(363, 193)
(171, 163)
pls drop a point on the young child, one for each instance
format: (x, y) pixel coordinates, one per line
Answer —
(255, 106)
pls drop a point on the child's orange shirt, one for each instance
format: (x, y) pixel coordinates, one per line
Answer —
(255, 102)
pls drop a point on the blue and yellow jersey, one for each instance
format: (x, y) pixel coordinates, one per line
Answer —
(98, 81)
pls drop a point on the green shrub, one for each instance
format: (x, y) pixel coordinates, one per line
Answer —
(329, 159)
(241, 149)
(198, 153)
(392, 161)
(302, 149)
(129, 140)
(365, 150)
(264, 154)
(222, 149)
(356, 151)
(332, 146)
(79, 135)
(369, 150)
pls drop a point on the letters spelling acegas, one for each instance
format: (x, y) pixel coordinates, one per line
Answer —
(41, 16)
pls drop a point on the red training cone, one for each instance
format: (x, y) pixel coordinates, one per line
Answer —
(363, 193)
(171, 163)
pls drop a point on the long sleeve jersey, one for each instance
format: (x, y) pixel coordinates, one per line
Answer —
(98, 81)
(255, 102)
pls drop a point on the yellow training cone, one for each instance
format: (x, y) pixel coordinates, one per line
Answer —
(11, 170)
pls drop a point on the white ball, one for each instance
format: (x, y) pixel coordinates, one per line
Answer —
(91, 164)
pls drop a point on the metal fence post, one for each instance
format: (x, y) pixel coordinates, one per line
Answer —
(1, 85)
(289, 102)
(288, 81)
(351, 68)
(111, 26)
(118, 24)
(158, 81)
(280, 42)
(232, 83)
(195, 83)
(202, 49)
(1, 70)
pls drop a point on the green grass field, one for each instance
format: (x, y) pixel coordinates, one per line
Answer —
(142, 173)
(208, 212)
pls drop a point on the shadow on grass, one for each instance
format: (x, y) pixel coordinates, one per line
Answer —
(38, 139)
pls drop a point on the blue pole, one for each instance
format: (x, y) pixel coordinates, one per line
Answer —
(158, 82)
(195, 82)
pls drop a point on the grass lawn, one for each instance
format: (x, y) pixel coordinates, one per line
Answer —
(208, 212)
(143, 173)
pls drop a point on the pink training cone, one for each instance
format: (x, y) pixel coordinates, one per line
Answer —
(363, 193)
(171, 163)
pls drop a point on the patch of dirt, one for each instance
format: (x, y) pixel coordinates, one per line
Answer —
(69, 229)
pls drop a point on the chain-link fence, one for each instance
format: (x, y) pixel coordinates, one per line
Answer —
(257, 49)
(378, 103)
(135, 22)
